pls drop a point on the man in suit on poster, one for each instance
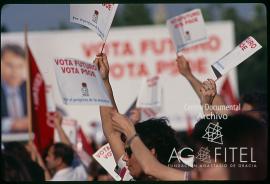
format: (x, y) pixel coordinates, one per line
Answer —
(13, 89)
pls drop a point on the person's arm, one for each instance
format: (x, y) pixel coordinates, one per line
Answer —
(112, 136)
(36, 157)
(65, 139)
(150, 165)
(208, 92)
(63, 136)
(184, 69)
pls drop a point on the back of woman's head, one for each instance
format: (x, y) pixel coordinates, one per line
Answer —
(13, 169)
(18, 148)
(157, 134)
(238, 132)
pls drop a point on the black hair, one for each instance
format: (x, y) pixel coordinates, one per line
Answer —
(13, 168)
(237, 131)
(16, 49)
(64, 152)
(157, 134)
(18, 150)
(258, 100)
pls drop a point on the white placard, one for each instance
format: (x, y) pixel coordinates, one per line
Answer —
(97, 17)
(104, 157)
(80, 82)
(236, 56)
(150, 94)
(70, 128)
(187, 29)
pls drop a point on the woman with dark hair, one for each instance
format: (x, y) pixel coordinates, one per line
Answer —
(14, 169)
(18, 151)
(241, 155)
(158, 137)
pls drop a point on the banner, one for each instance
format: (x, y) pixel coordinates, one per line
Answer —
(131, 59)
(150, 94)
(236, 56)
(80, 83)
(42, 130)
(97, 17)
(104, 157)
(187, 29)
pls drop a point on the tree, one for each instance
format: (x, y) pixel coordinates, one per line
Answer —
(117, 20)
(4, 29)
(252, 74)
(133, 14)
(63, 25)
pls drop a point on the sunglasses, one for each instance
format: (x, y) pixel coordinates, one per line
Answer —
(128, 151)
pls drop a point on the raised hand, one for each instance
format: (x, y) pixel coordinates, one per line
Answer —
(122, 124)
(208, 92)
(102, 63)
(183, 66)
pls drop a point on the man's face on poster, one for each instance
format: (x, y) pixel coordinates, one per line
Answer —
(13, 69)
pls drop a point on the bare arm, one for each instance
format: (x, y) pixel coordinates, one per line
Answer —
(63, 137)
(36, 157)
(208, 93)
(112, 136)
(150, 165)
(184, 69)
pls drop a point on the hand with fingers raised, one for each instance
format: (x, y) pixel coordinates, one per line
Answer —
(101, 62)
(208, 92)
(122, 124)
(183, 66)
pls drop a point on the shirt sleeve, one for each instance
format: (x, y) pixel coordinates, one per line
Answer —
(80, 173)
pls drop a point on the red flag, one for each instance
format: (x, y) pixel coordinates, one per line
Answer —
(85, 144)
(227, 93)
(43, 132)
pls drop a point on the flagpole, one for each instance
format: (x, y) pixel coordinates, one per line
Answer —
(103, 46)
(28, 90)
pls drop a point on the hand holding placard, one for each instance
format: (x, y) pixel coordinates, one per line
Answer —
(102, 63)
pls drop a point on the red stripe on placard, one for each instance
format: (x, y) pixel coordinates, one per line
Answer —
(122, 173)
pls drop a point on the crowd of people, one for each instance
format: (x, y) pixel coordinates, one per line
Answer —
(145, 147)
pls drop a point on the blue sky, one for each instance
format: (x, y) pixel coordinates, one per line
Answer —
(49, 16)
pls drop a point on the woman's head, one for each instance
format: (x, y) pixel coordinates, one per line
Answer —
(158, 137)
(232, 144)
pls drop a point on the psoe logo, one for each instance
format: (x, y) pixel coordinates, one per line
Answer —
(188, 160)
(84, 89)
